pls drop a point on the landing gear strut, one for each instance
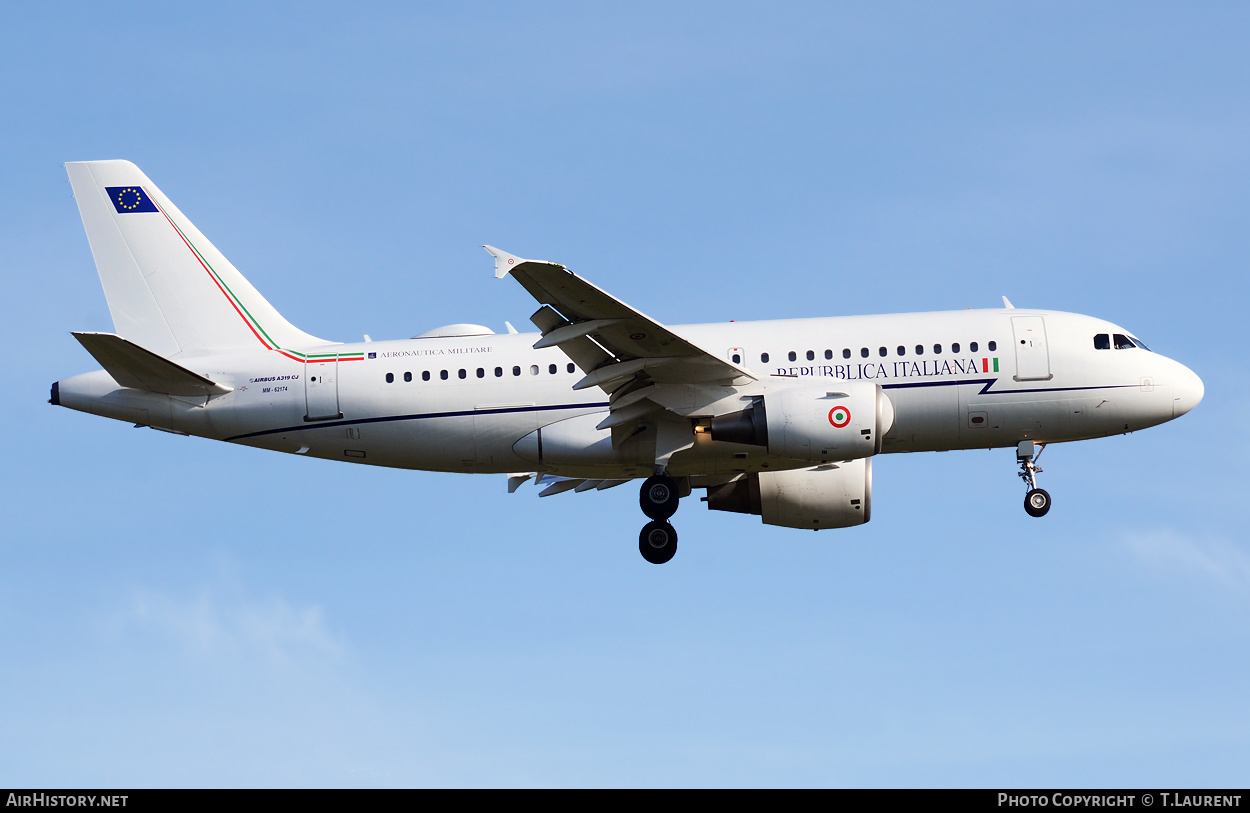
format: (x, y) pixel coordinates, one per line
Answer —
(658, 498)
(1037, 500)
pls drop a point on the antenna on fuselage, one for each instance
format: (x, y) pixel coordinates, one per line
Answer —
(1007, 304)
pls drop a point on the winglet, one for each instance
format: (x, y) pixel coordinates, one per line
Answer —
(1007, 304)
(504, 262)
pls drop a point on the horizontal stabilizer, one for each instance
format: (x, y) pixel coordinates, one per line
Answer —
(132, 366)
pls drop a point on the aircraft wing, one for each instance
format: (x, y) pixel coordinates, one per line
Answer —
(613, 343)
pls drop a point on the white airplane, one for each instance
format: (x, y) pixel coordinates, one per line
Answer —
(780, 419)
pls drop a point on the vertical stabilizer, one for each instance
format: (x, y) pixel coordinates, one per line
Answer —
(169, 289)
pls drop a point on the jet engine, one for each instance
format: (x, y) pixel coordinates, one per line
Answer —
(840, 420)
(830, 496)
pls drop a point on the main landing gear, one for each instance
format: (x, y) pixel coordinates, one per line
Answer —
(1037, 501)
(658, 499)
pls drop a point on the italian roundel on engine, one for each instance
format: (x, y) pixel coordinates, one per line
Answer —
(842, 421)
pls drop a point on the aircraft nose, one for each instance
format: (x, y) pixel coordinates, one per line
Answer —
(1187, 392)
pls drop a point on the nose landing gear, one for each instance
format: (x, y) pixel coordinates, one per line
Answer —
(658, 498)
(1037, 500)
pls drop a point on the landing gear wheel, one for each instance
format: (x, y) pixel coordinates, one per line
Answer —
(658, 497)
(658, 542)
(1037, 502)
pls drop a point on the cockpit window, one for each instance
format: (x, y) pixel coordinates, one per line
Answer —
(1102, 342)
(1140, 344)
(1122, 342)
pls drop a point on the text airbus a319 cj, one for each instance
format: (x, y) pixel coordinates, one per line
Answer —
(780, 419)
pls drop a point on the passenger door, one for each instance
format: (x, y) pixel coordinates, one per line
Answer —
(321, 390)
(1032, 353)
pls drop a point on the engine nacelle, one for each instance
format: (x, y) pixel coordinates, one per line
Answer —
(833, 496)
(839, 420)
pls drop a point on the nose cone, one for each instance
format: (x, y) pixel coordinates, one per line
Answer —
(1187, 392)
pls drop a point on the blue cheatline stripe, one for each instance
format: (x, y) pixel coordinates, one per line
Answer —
(989, 382)
(985, 390)
(422, 416)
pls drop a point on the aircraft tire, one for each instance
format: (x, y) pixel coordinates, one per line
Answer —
(657, 542)
(658, 497)
(1037, 502)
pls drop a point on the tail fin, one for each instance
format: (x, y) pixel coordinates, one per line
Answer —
(168, 288)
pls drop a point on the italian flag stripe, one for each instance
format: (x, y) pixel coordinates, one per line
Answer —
(244, 313)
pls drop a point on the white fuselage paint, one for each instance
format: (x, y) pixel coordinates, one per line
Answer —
(1051, 385)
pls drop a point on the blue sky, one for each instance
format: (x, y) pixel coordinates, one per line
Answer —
(179, 612)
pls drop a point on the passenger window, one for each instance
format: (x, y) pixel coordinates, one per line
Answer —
(516, 370)
(463, 373)
(937, 349)
(792, 356)
(481, 373)
(846, 352)
(972, 347)
(764, 358)
(572, 367)
(425, 375)
(1102, 342)
(993, 346)
(863, 352)
(954, 347)
(811, 355)
(920, 350)
(407, 376)
(902, 351)
(533, 369)
(1122, 342)
(881, 351)
(442, 374)
(498, 372)
(390, 378)
(737, 359)
(551, 368)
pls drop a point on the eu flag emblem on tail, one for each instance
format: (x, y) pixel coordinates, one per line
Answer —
(129, 199)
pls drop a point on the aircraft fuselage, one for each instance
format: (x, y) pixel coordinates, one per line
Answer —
(957, 380)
